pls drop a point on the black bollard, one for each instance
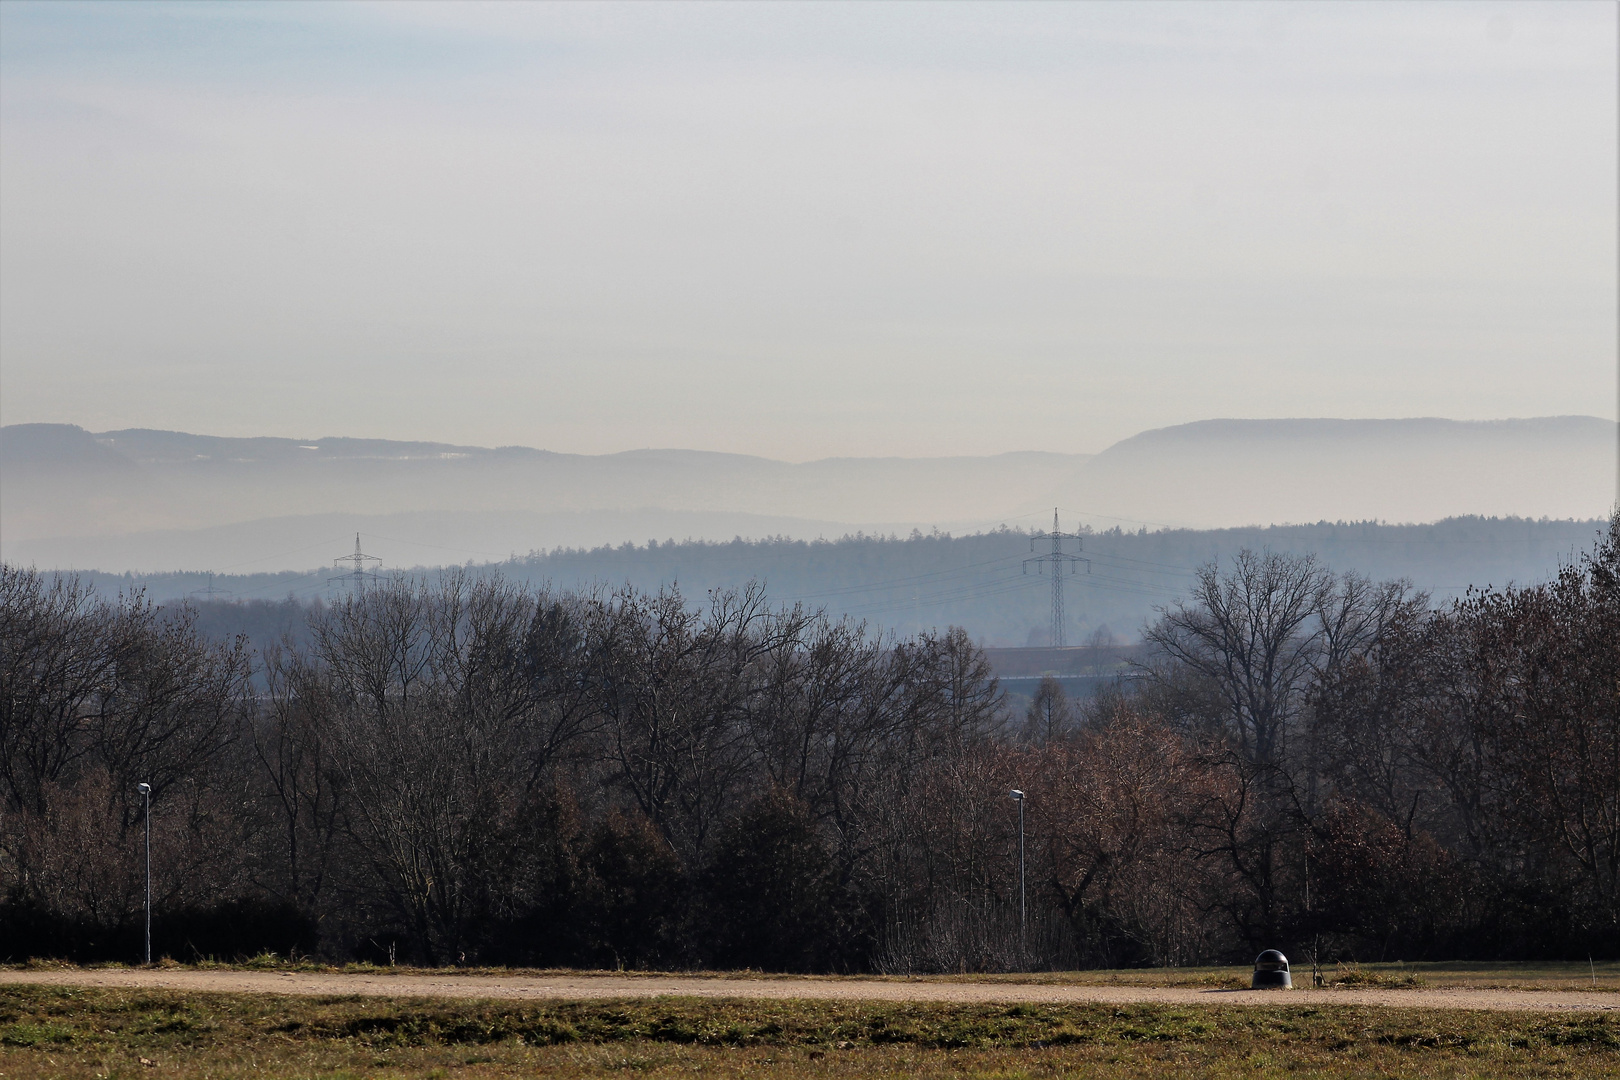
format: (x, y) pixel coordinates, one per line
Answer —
(1271, 972)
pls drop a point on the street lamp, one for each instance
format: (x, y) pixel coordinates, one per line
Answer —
(1023, 908)
(146, 812)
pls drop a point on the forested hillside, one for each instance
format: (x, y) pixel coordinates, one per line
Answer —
(980, 582)
(977, 581)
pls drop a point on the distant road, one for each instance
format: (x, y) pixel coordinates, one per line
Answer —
(575, 987)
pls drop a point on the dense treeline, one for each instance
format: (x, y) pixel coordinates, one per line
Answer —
(470, 769)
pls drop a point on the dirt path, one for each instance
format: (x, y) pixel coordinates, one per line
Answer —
(543, 987)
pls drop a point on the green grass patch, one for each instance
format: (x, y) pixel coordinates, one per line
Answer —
(55, 1031)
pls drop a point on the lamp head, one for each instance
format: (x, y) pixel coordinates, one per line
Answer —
(144, 789)
(1016, 794)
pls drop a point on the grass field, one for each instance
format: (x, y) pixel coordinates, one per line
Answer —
(66, 1032)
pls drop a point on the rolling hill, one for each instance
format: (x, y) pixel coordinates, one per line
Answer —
(154, 500)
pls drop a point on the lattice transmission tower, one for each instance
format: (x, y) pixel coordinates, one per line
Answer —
(208, 591)
(1058, 558)
(356, 576)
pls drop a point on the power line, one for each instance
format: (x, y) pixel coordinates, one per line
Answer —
(508, 557)
(277, 555)
(1144, 566)
(916, 579)
(984, 591)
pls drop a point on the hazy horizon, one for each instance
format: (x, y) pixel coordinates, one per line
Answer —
(802, 232)
(150, 500)
(331, 436)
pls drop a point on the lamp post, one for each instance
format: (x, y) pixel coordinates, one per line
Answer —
(1023, 908)
(146, 812)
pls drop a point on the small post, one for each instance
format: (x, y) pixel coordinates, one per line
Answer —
(1271, 972)
(146, 813)
(1023, 907)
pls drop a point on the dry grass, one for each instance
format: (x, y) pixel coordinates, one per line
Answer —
(52, 1031)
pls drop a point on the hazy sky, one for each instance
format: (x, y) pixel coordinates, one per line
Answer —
(802, 230)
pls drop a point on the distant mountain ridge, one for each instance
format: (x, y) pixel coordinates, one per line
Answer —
(57, 486)
(1327, 428)
(1231, 473)
(143, 499)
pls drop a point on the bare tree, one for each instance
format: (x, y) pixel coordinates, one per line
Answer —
(442, 708)
(1050, 716)
(306, 786)
(98, 696)
(57, 655)
(1251, 639)
(670, 685)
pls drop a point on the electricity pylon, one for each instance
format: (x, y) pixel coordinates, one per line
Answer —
(1059, 559)
(357, 577)
(208, 591)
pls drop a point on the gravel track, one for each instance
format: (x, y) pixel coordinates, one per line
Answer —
(578, 987)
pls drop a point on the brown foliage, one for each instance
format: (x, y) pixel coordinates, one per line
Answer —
(1112, 814)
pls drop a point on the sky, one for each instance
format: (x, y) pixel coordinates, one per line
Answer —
(802, 230)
